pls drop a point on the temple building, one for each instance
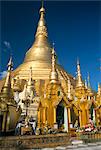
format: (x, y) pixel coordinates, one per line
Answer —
(42, 89)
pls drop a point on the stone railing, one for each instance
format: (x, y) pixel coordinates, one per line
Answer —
(89, 136)
(29, 142)
(42, 141)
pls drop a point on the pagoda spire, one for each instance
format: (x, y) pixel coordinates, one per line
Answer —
(79, 78)
(6, 90)
(42, 2)
(85, 83)
(8, 79)
(99, 89)
(54, 74)
(88, 79)
(41, 48)
(41, 29)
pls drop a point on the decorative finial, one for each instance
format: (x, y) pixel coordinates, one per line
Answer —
(8, 78)
(54, 74)
(41, 29)
(42, 10)
(10, 64)
(42, 2)
(99, 89)
(85, 83)
(53, 60)
(88, 78)
(78, 63)
(79, 78)
(53, 45)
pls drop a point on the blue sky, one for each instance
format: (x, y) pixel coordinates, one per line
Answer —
(74, 26)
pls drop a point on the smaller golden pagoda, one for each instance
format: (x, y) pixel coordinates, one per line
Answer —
(8, 107)
(81, 98)
(53, 110)
(98, 106)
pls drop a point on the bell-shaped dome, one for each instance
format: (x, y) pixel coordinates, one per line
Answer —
(41, 49)
(39, 58)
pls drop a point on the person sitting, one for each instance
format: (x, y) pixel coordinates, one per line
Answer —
(33, 124)
(18, 128)
(26, 129)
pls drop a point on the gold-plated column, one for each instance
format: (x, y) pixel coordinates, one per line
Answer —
(54, 115)
(44, 116)
(67, 120)
(80, 118)
(46, 113)
(69, 117)
(38, 118)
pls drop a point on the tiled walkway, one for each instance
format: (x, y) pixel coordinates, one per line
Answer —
(89, 146)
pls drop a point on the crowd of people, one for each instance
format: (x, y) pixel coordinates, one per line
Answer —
(30, 127)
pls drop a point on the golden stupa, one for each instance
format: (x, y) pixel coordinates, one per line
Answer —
(47, 89)
(39, 58)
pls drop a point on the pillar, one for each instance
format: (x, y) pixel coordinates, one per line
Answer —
(54, 115)
(38, 118)
(80, 118)
(65, 119)
(55, 123)
(69, 118)
(94, 115)
(44, 116)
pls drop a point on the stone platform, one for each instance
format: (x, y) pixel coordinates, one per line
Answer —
(64, 140)
(30, 142)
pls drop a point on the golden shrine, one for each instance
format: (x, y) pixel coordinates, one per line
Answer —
(42, 89)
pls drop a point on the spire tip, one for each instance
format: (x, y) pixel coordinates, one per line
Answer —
(42, 3)
(10, 64)
(78, 62)
(42, 10)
